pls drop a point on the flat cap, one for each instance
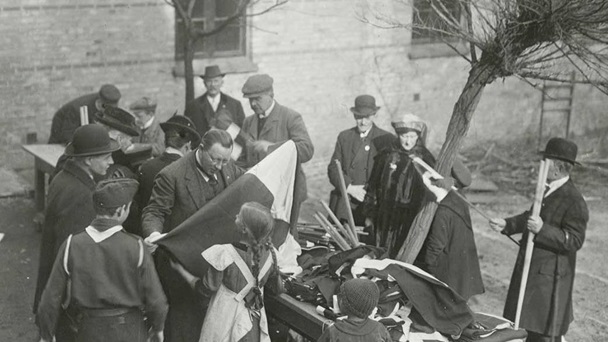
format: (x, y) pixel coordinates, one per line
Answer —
(144, 103)
(109, 94)
(114, 192)
(257, 85)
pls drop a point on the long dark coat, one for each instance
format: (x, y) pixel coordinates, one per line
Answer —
(395, 193)
(202, 114)
(282, 124)
(148, 171)
(67, 118)
(449, 252)
(565, 215)
(69, 210)
(356, 155)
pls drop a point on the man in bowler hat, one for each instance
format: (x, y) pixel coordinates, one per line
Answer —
(559, 232)
(69, 206)
(214, 108)
(271, 125)
(105, 277)
(67, 118)
(356, 148)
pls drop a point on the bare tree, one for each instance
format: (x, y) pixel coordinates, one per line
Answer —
(193, 33)
(529, 39)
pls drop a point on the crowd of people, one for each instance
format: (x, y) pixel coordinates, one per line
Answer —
(126, 179)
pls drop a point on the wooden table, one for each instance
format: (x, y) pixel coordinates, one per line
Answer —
(299, 316)
(45, 159)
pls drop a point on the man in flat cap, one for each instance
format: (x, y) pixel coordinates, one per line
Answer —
(105, 278)
(272, 125)
(179, 191)
(215, 109)
(559, 232)
(67, 118)
(69, 206)
(355, 149)
(144, 111)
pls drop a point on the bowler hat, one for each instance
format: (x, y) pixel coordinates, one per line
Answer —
(109, 94)
(144, 103)
(365, 105)
(257, 85)
(114, 192)
(181, 123)
(90, 140)
(212, 71)
(118, 119)
(562, 149)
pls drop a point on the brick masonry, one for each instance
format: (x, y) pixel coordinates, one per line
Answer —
(320, 55)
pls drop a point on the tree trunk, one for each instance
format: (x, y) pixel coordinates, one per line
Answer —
(189, 68)
(481, 74)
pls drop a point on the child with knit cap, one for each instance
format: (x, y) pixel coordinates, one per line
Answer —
(357, 299)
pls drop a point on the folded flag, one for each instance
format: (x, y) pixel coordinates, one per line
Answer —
(270, 183)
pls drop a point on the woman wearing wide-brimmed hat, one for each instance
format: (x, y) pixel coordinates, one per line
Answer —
(395, 190)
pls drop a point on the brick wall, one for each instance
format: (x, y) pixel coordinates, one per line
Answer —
(320, 55)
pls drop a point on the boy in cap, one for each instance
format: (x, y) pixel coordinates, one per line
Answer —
(144, 111)
(559, 232)
(449, 252)
(105, 278)
(67, 118)
(355, 149)
(357, 299)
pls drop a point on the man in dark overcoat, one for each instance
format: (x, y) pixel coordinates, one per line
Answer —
(144, 111)
(559, 233)
(67, 118)
(69, 206)
(180, 190)
(180, 135)
(204, 110)
(270, 126)
(355, 149)
(449, 251)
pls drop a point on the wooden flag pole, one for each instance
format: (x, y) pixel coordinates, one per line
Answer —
(538, 200)
(344, 230)
(349, 210)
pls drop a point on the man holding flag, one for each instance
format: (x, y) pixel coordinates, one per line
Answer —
(179, 191)
(559, 232)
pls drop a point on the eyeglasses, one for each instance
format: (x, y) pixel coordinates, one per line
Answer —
(217, 161)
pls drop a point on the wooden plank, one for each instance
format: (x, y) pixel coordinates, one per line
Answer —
(299, 316)
(47, 153)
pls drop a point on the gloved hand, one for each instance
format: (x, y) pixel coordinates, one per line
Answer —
(438, 191)
(356, 191)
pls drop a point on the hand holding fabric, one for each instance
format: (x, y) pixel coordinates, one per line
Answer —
(356, 191)
(261, 146)
(223, 120)
(149, 244)
(498, 224)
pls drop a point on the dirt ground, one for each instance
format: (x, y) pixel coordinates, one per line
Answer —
(19, 261)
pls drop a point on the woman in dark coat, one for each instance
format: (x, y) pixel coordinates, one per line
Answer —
(395, 190)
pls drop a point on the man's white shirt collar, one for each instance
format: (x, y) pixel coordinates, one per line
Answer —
(268, 111)
(365, 134)
(98, 236)
(556, 184)
(214, 101)
(149, 123)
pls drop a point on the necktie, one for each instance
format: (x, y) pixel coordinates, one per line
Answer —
(211, 178)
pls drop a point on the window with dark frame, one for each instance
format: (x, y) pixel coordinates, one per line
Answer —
(206, 15)
(425, 16)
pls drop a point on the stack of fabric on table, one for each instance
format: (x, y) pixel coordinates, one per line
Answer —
(413, 305)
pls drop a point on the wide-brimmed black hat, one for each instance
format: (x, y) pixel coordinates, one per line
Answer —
(118, 119)
(561, 149)
(90, 140)
(212, 71)
(365, 105)
(181, 123)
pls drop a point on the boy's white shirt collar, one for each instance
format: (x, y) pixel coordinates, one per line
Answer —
(98, 236)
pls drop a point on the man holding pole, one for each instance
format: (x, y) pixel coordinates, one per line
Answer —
(559, 232)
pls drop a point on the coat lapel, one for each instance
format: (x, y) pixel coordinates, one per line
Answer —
(269, 124)
(193, 181)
